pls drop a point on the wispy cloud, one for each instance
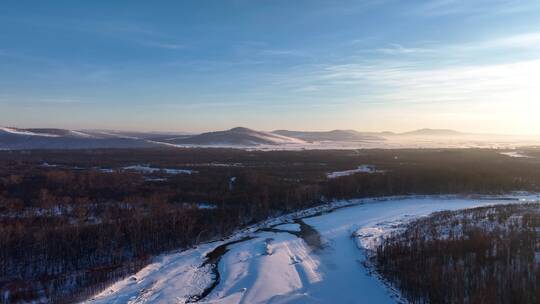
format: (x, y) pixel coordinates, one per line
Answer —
(410, 83)
(523, 41)
(139, 34)
(282, 52)
(500, 96)
(519, 41)
(397, 49)
(433, 74)
(25, 57)
(161, 45)
(436, 8)
(262, 50)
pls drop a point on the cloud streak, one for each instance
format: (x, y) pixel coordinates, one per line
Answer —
(432, 76)
(436, 8)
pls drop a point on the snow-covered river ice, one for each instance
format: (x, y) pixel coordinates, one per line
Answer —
(308, 257)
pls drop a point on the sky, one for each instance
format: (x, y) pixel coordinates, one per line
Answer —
(469, 65)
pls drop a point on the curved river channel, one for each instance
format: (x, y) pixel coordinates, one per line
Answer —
(311, 257)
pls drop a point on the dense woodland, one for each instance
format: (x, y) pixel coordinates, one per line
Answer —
(484, 255)
(73, 221)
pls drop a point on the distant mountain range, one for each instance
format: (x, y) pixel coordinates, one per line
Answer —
(335, 135)
(236, 137)
(47, 138)
(433, 132)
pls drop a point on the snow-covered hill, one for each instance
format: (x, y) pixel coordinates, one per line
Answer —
(309, 257)
(236, 137)
(244, 138)
(15, 138)
(6, 131)
(433, 132)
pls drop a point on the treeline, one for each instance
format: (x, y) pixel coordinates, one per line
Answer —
(485, 255)
(68, 227)
(58, 263)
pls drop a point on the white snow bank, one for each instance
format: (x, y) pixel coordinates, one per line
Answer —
(288, 227)
(251, 272)
(369, 237)
(170, 277)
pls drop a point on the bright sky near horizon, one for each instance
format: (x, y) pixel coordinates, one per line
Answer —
(470, 65)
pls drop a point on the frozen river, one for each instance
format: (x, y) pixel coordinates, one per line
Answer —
(314, 259)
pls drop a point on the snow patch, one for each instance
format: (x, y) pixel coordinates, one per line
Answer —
(361, 169)
(515, 154)
(81, 134)
(148, 170)
(122, 136)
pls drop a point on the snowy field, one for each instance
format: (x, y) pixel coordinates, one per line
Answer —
(313, 256)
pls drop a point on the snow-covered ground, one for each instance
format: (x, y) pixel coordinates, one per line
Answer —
(361, 169)
(147, 169)
(283, 264)
(390, 142)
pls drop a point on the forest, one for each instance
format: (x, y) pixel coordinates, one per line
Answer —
(72, 222)
(482, 255)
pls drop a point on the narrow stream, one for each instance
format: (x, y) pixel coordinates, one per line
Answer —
(310, 235)
(212, 258)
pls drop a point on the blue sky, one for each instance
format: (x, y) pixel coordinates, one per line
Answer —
(204, 65)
